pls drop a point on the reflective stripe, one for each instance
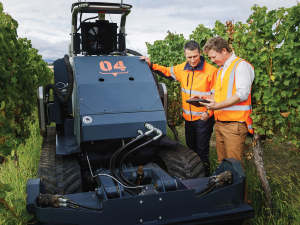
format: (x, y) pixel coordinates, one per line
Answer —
(231, 79)
(193, 112)
(238, 108)
(172, 73)
(250, 127)
(219, 71)
(212, 91)
(195, 92)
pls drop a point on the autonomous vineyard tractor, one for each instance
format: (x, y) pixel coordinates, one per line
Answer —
(108, 160)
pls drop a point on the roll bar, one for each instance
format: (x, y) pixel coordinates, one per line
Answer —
(98, 7)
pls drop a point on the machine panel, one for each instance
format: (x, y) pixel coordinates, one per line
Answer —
(117, 94)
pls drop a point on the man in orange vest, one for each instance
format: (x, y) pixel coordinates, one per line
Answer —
(232, 99)
(196, 77)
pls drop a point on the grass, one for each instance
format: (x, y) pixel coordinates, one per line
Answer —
(281, 163)
(17, 173)
(282, 167)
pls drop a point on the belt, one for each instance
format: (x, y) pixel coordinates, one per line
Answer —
(226, 121)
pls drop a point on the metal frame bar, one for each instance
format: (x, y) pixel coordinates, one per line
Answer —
(95, 7)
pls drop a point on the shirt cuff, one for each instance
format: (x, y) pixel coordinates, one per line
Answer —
(242, 96)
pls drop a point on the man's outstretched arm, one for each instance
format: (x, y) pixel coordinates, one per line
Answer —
(166, 72)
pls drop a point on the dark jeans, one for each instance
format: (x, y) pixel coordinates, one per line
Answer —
(197, 136)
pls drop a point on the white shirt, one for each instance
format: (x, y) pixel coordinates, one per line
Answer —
(244, 76)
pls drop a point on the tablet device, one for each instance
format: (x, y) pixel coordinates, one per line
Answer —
(197, 100)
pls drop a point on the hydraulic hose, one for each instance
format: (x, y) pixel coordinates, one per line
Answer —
(205, 191)
(130, 192)
(82, 206)
(151, 129)
(132, 52)
(75, 207)
(59, 96)
(128, 153)
(116, 154)
(49, 200)
(112, 162)
(126, 188)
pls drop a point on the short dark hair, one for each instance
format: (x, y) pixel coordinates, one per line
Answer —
(191, 45)
(216, 43)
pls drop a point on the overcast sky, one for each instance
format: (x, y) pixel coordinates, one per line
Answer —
(47, 23)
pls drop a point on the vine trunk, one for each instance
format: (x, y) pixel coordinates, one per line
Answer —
(259, 162)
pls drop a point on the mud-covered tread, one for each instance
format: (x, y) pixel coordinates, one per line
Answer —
(60, 175)
(181, 161)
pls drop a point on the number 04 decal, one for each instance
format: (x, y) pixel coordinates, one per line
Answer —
(107, 67)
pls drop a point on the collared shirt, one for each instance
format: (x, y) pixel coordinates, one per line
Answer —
(244, 76)
(198, 67)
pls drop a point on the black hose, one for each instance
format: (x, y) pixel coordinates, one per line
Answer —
(116, 154)
(83, 206)
(72, 207)
(205, 190)
(128, 153)
(132, 52)
(95, 17)
(120, 149)
(129, 191)
(76, 207)
(68, 96)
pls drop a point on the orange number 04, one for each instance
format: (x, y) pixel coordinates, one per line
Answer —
(106, 66)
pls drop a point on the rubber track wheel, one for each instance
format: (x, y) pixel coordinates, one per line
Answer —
(181, 162)
(60, 175)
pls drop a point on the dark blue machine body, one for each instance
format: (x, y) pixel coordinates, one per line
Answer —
(222, 205)
(118, 95)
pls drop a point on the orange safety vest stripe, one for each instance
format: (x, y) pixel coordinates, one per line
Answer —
(227, 88)
(192, 83)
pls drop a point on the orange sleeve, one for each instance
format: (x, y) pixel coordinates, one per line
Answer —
(170, 73)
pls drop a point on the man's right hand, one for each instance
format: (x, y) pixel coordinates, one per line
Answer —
(196, 97)
(147, 60)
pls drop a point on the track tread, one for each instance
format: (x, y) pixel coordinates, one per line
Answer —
(60, 175)
(181, 161)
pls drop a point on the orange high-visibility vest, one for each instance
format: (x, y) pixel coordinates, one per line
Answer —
(199, 81)
(226, 89)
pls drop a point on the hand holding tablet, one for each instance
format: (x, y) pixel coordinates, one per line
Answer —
(197, 100)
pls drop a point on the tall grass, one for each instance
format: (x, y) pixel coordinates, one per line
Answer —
(17, 172)
(286, 199)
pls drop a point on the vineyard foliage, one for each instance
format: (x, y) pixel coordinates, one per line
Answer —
(22, 71)
(169, 52)
(270, 42)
